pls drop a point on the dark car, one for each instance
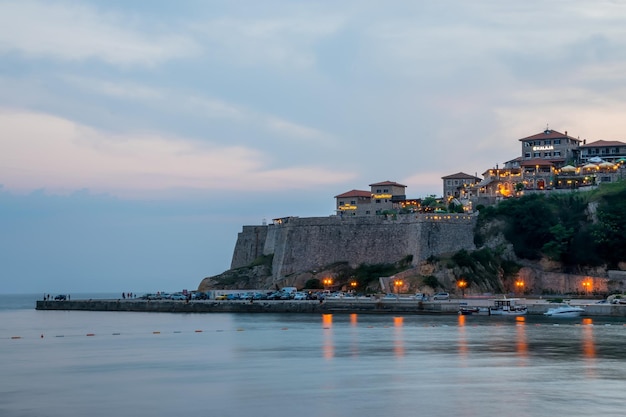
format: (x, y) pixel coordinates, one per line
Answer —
(61, 297)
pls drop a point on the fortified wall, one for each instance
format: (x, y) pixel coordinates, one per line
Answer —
(305, 244)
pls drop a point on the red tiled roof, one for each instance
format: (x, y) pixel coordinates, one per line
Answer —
(549, 134)
(355, 193)
(460, 176)
(377, 184)
(603, 143)
(537, 161)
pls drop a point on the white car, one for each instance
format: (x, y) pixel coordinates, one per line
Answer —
(300, 296)
(441, 296)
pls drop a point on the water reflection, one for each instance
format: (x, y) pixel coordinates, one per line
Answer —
(521, 341)
(589, 347)
(328, 348)
(354, 340)
(462, 337)
(398, 343)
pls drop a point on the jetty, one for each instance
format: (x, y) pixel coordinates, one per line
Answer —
(328, 306)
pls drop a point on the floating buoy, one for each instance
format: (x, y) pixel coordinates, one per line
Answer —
(41, 336)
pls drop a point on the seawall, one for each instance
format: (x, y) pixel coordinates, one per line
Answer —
(305, 244)
(362, 306)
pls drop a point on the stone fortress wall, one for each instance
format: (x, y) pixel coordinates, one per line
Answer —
(306, 244)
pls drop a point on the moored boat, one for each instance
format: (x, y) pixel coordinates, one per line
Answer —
(507, 307)
(564, 311)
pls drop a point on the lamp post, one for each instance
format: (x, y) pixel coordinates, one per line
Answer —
(520, 286)
(398, 283)
(586, 285)
(327, 282)
(462, 284)
(353, 285)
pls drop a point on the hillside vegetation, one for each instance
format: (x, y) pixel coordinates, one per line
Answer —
(578, 229)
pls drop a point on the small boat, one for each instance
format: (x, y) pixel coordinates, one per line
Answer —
(565, 311)
(466, 311)
(507, 307)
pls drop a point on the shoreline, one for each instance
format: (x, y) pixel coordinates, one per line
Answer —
(338, 306)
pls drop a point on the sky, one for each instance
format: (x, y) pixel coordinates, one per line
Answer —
(138, 137)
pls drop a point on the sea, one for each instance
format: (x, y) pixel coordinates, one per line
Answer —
(84, 363)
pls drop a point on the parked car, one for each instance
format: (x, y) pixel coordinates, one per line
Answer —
(300, 296)
(441, 296)
(61, 297)
(178, 297)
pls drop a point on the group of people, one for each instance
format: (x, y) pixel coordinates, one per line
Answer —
(126, 295)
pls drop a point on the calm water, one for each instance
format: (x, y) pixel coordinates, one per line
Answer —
(158, 364)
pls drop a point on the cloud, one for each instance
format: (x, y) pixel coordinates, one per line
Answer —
(76, 32)
(43, 151)
(121, 89)
(279, 42)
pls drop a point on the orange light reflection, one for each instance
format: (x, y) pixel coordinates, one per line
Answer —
(328, 347)
(398, 343)
(462, 339)
(521, 342)
(589, 346)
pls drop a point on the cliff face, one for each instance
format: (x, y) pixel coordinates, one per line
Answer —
(306, 244)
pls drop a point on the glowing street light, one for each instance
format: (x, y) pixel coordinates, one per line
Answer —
(327, 282)
(353, 285)
(520, 286)
(586, 286)
(462, 284)
(398, 283)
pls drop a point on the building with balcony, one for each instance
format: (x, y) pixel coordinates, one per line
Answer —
(612, 151)
(458, 185)
(550, 145)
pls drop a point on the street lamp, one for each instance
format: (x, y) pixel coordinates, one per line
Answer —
(462, 284)
(327, 282)
(353, 285)
(520, 286)
(398, 283)
(586, 285)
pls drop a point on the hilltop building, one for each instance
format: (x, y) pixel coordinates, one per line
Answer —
(549, 161)
(458, 185)
(382, 196)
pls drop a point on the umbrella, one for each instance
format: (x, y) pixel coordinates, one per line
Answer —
(596, 160)
(590, 166)
(606, 165)
(568, 168)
